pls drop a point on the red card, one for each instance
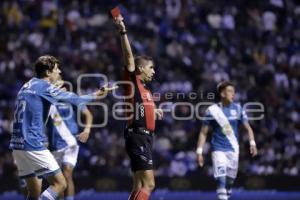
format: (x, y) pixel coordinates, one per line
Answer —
(115, 12)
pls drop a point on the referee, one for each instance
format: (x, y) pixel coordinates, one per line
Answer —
(140, 128)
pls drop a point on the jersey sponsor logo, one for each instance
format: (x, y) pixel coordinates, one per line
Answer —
(227, 130)
(57, 120)
(233, 112)
(233, 115)
(142, 111)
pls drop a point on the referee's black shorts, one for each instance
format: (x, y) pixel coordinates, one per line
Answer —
(138, 143)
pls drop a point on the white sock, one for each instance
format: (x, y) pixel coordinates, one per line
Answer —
(222, 194)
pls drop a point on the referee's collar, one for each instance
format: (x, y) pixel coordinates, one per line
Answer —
(146, 86)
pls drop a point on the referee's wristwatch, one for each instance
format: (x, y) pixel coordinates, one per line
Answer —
(252, 143)
(123, 32)
(199, 151)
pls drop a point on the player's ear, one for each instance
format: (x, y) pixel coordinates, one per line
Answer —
(222, 94)
(47, 72)
(141, 69)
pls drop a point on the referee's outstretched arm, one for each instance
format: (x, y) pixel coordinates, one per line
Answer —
(126, 49)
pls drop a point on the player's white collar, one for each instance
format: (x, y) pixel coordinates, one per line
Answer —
(220, 104)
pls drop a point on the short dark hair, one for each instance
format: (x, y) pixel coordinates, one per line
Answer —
(140, 61)
(221, 86)
(44, 63)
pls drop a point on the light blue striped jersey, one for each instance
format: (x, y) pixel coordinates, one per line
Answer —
(62, 125)
(235, 116)
(31, 111)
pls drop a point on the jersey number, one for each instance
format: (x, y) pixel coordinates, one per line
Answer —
(19, 111)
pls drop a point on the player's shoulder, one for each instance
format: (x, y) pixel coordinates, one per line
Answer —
(33, 86)
(38, 84)
(236, 105)
(129, 74)
(208, 108)
(42, 87)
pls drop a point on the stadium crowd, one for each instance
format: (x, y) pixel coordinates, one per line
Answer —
(195, 44)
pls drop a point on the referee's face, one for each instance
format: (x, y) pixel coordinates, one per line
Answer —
(147, 72)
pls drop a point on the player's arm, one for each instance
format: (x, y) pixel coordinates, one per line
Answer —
(55, 94)
(101, 92)
(84, 135)
(201, 141)
(126, 48)
(253, 149)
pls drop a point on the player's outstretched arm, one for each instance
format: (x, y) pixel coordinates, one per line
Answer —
(55, 94)
(253, 148)
(201, 142)
(84, 135)
(104, 90)
(126, 48)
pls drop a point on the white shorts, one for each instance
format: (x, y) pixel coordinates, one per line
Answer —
(225, 163)
(35, 163)
(67, 156)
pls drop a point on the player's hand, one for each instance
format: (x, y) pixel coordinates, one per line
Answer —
(104, 90)
(159, 113)
(120, 23)
(200, 160)
(253, 150)
(84, 136)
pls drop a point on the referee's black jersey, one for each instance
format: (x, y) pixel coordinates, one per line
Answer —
(143, 114)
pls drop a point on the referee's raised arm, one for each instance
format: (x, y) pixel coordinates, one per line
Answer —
(139, 131)
(126, 49)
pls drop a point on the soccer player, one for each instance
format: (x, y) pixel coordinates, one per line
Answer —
(33, 101)
(224, 118)
(63, 132)
(140, 128)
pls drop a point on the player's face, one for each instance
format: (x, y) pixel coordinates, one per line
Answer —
(147, 72)
(54, 76)
(228, 93)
